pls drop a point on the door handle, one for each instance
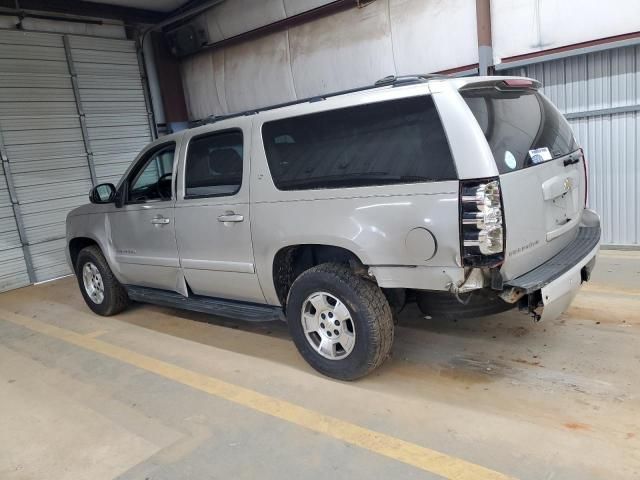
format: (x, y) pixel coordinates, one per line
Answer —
(160, 220)
(230, 217)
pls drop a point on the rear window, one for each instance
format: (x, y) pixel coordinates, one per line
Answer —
(393, 142)
(522, 127)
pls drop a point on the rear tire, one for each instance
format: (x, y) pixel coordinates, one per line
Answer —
(352, 318)
(100, 288)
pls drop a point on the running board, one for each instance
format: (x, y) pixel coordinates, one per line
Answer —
(252, 312)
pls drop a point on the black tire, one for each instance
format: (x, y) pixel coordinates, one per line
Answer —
(445, 305)
(371, 318)
(115, 296)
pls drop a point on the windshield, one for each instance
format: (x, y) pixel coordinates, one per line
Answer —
(522, 127)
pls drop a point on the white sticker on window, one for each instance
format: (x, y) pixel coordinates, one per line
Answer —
(540, 155)
(510, 160)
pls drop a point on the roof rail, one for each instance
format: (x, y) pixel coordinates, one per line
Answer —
(400, 79)
(391, 80)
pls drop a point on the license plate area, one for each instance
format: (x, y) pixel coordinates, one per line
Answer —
(561, 195)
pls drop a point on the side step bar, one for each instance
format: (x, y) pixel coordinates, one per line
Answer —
(252, 312)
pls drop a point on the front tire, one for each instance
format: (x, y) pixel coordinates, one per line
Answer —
(100, 288)
(340, 322)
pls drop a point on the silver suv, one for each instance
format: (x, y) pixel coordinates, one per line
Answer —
(464, 195)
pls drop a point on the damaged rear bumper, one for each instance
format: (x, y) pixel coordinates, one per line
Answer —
(548, 290)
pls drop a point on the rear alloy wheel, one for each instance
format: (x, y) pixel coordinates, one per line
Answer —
(328, 326)
(340, 322)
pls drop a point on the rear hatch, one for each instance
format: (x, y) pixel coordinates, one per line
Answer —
(542, 170)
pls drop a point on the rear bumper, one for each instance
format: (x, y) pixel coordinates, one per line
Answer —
(550, 288)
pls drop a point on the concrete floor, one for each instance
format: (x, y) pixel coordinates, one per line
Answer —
(151, 394)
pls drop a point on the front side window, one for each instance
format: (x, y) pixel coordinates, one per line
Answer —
(153, 180)
(214, 165)
(392, 142)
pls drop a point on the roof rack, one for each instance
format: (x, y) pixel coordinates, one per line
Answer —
(391, 80)
(402, 79)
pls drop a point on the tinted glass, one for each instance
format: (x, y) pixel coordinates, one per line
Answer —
(400, 141)
(153, 180)
(214, 165)
(516, 123)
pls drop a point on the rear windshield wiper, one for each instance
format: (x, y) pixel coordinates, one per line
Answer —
(572, 159)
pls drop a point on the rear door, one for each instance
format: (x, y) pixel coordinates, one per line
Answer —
(213, 227)
(542, 172)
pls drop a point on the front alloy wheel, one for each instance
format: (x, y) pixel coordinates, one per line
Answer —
(101, 290)
(93, 282)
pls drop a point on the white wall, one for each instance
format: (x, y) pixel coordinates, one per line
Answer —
(361, 45)
(351, 48)
(526, 26)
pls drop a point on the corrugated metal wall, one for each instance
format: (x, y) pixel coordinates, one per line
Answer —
(43, 140)
(13, 270)
(67, 103)
(586, 88)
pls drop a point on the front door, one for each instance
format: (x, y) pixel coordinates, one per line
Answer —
(212, 215)
(142, 231)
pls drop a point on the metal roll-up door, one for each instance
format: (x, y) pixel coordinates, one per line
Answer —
(113, 99)
(43, 141)
(13, 269)
(72, 113)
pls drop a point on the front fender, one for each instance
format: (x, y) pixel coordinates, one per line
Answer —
(95, 227)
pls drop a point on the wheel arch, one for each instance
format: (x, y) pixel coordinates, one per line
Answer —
(291, 261)
(75, 245)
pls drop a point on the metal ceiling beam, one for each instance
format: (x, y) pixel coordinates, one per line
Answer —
(305, 17)
(183, 15)
(609, 43)
(80, 8)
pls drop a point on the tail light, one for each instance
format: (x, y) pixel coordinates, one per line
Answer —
(481, 222)
(586, 177)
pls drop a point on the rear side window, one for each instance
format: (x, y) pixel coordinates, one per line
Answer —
(393, 142)
(522, 127)
(214, 165)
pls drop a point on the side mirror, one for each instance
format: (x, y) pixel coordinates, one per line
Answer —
(103, 193)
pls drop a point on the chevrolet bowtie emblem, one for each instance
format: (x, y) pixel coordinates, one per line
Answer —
(568, 184)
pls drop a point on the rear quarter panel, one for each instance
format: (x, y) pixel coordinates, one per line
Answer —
(372, 222)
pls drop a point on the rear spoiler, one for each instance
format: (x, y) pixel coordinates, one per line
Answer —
(508, 83)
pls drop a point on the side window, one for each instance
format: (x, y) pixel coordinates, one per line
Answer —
(391, 142)
(153, 180)
(214, 165)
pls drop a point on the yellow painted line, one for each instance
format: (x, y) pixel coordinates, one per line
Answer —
(96, 334)
(391, 447)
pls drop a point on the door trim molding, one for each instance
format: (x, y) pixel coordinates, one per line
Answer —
(220, 266)
(135, 259)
